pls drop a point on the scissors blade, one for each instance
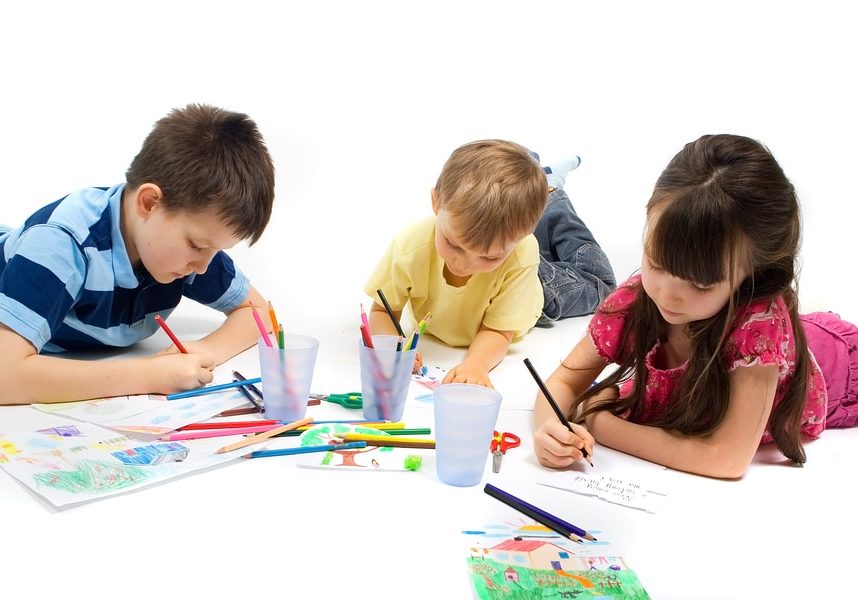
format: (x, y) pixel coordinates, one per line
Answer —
(497, 457)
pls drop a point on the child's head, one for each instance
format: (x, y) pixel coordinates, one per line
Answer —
(723, 216)
(489, 195)
(205, 159)
(723, 230)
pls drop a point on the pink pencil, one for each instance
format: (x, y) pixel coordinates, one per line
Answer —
(261, 326)
(207, 433)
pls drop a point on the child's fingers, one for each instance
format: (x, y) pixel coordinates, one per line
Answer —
(418, 363)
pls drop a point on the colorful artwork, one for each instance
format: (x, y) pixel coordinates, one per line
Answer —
(527, 561)
(430, 377)
(371, 458)
(94, 462)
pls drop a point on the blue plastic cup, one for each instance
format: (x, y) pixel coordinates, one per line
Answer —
(465, 419)
(385, 375)
(286, 376)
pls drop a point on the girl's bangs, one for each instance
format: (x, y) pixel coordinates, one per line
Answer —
(691, 238)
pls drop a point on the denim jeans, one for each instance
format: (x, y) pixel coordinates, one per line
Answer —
(576, 274)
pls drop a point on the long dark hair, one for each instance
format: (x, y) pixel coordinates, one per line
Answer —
(720, 196)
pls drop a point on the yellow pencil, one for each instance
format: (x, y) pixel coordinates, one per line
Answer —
(263, 436)
(366, 437)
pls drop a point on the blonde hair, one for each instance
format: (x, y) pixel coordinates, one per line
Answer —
(495, 191)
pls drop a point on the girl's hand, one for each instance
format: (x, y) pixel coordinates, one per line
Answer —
(557, 447)
(175, 372)
(468, 373)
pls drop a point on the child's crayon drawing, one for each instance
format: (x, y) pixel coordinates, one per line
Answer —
(528, 561)
(97, 462)
(371, 458)
(430, 377)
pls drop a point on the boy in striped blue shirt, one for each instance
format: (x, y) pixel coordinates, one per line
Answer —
(92, 269)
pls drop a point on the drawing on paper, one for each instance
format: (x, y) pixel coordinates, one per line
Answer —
(89, 476)
(534, 562)
(62, 431)
(153, 454)
(430, 377)
(373, 458)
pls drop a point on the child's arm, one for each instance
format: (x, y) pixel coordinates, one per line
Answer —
(486, 351)
(725, 453)
(31, 377)
(554, 444)
(237, 333)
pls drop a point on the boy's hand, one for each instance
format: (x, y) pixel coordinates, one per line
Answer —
(176, 372)
(469, 372)
(557, 447)
(418, 363)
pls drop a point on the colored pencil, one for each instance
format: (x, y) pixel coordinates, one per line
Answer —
(281, 337)
(234, 412)
(553, 403)
(208, 433)
(228, 424)
(250, 398)
(262, 330)
(275, 324)
(393, 318)
(388, 440)
(263, 436)
(212, 388)
(365, 331)
(305, 449)
(251, 387)
(421, 329)
(412, 431)
(518, 503)
(170, 334)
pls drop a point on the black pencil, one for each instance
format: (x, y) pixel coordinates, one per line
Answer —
(553, 403)
(537, 515)
(239, 377)
(390, 313)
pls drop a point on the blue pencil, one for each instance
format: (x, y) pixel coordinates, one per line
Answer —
(249, 396)
(536, 513)
(305, 449)
(212, 389)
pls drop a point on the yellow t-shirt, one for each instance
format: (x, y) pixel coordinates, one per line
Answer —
(507, 299)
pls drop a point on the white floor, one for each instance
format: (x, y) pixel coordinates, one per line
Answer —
(360, 104)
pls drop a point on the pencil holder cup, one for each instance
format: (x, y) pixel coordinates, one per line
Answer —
(465, 418)
(286, 375)
(385, 374)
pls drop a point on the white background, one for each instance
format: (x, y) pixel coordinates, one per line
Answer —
(360, 104)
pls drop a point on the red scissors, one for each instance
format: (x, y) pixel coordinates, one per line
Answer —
(501, 442)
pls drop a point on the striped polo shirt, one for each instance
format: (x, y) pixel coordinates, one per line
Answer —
(67, 284)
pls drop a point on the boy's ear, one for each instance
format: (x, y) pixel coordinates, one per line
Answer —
(146, 198)
(435, 204)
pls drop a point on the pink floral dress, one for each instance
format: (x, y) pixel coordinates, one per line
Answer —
(762, 335)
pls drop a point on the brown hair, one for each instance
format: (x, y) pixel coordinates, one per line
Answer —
(204, 157)
(494, 189)
(721, 195)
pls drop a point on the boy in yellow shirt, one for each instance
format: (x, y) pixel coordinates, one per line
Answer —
(475, 265)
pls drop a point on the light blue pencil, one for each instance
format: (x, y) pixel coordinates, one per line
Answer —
(213, 388)
(305, 449)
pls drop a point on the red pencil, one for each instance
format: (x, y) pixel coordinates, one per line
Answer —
(228, 424)
(170, 333)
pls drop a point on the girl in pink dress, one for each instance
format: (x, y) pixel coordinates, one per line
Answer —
(712, 357)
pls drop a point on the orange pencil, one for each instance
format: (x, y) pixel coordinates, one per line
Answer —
(263, 436)
(170, 333)
(271, 314)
